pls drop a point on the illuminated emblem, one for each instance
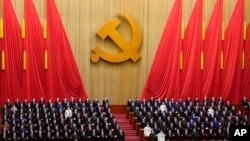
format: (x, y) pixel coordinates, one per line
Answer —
(129, 49)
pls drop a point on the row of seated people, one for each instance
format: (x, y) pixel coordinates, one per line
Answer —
(184, 135)
(50, 110)
(55, 120)
(196, 102)
(188, 119)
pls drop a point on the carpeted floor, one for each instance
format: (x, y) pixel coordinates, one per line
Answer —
(123, 122)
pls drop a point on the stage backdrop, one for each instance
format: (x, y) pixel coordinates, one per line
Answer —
(81, 20)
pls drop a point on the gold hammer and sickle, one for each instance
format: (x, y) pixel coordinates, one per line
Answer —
(129, 49)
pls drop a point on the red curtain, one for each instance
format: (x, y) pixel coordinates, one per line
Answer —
(35, 47)
(12, 77)
(231, 74)
(245, 73)
(1, 79)
(164, 76)
(191, 73)
(1, 73)
(212, 47)
(63, 78)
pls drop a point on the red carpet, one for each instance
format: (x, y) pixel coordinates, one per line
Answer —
(123, 122)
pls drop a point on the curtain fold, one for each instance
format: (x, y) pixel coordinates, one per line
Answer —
(164, 76)
(233, 43)
(35, 47)
(212, 45)
(191, 72)
(2, 60)
(12, 83)
(245, 86)
(63, 78)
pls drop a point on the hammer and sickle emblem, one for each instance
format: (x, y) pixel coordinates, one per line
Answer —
(129, 49)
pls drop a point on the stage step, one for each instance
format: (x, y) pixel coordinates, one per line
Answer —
(127, 127)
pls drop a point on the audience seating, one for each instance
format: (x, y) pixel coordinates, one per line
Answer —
(189, 119)
(67, 119)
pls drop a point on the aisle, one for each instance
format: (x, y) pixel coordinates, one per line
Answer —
(123, 122)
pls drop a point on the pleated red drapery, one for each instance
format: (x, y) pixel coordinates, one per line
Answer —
(245, 87)
(191, 73)
(164, 76)
(212, 47)
(63, 78)
(231, 82)
(34, 46)
(12, 83)
(233, 44)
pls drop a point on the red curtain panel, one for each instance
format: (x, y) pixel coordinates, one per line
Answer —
(35, 47)
(164, 77)
(12, 81)
(191, 73)
(63, 78)
(212, 46)
(245, 86)
(233, 44)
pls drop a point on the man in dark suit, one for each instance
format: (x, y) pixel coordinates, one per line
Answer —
(8, 104)
(220, 101)
(211, 134)
(40, 134)
(95, 103)
(64, 103)
(186, 135)
(94, 135)
(48, 133)
(21, 119)
(132, 107)
(14, 136)
(25, 104)
(72, 102)
(66, 135)
(129, 102)
(196, 102)
(159, 102)
(194, 134)
(203, 135)
(103, 136)
(152, 136)
(151, 101)
(220, 135)
(41, 102)
(87, 102)
(205, 101)
(244, 102)
(188, 101)
(248, 106)
(50, 106)
(4, 110)
(4, 134)
(57, 101)
(57, 136)
(137, 102)
(17, 103)
(213, 101)
(110, 135)
(75, 136)
(83, 135)
(33, 104)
